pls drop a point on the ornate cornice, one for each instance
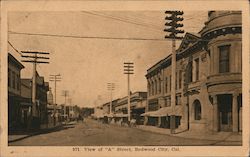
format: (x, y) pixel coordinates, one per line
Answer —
(214, 33)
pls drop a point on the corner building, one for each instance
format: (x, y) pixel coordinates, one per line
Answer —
(208, 79)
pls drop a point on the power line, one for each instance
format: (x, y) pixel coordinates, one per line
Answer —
(122, 20)
(96, 37)
(14, 48)
(135, 20)
(84, 37)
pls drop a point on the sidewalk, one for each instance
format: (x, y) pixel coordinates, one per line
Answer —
(21, 136)
(213, 136)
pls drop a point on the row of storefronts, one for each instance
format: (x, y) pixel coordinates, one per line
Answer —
(19, 98)
(119, 112)
(48, 114)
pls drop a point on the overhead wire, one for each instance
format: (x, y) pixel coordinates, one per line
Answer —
(127, 20)
(122, 20)
(14, 48)
(136, 20)
(85, 37)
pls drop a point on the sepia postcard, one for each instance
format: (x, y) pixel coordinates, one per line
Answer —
(124, 78)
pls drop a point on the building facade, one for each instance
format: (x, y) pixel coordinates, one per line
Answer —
(26, 103)
(137, 106)
(14, 92)
(50, 97)
(208, 81)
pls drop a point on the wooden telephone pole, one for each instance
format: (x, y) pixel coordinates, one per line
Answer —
(111, 87)
(173, 19)
(128, 70)
(35, 59)
(55, 78)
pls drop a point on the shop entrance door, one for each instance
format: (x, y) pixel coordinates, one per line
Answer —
(225, 112)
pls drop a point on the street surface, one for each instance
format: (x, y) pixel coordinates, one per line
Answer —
(93, 133)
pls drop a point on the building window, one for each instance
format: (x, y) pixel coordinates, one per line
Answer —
(180, 79)
(153, 106)
(178, 100)
(149, 88)
(170, 83)
(190, 72)
(197, 69)
(224, 58)
(239, 100)
(13, 80)
(159, 88)
(156, 84)
(176, 77)
(166, 85)
(9, 78)
(18, 82)
(168, 102)
(152, 86)
(197, 110)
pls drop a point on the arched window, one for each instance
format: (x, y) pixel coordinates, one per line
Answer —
(197, 110)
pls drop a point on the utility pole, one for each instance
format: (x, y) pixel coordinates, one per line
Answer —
(128, 70)
(173, 19)
(55, 78)
(35, 59)
(65, 93)
(111, 87)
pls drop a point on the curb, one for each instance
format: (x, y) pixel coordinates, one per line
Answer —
(35, 133)
(174, 135)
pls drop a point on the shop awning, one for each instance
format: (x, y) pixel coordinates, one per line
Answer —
(165, 111)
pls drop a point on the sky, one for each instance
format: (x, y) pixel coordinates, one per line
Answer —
(105, 40)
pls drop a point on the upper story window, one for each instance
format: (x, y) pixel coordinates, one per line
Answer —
(168, 101)
(152, 106)
(156, 84)
(178, 100)
(13, 80)
(190, 72)
(166, 85)
(170, 83)
(180, 79)
(9, 78)
(224, 52)
(152, 88)
(176, 77)
(159, 87)
(18, 82)
(197, 67)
